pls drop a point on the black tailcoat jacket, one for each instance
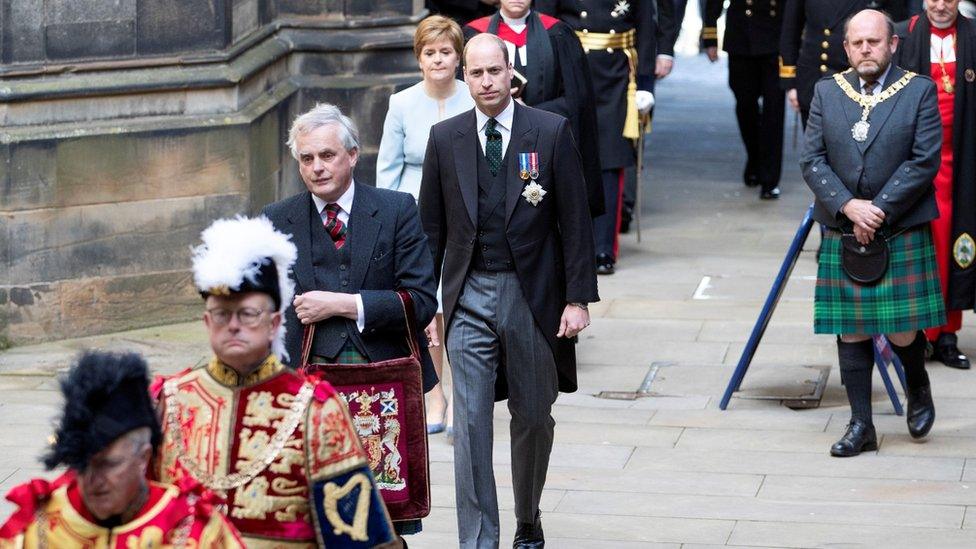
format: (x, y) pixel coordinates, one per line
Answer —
(388, 252)
(551, 242)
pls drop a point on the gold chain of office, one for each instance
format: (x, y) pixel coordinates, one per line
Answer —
(867, 102)
(255, 467)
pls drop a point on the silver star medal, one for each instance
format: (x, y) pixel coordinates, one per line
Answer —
(622, 7)
(533, 193)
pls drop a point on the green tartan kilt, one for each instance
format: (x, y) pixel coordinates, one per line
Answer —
(908, 298)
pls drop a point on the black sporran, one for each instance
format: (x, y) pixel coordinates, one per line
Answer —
(865, 264)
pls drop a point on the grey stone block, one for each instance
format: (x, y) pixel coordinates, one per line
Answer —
(79, 11)
(90, 39)
(23, 39)
(246, 18)
(175, 26)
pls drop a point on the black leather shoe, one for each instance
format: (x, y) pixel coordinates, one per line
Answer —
(860, 437)
(946, 351)
(750, 179)
(604, 264)
(529, 535)
(626, 216)
(769, 194)
(921, 411)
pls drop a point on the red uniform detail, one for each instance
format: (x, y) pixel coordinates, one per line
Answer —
(942, 227)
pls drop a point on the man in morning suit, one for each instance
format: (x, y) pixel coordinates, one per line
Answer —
(752, 41)
(504, 206)
(941, 43)
(873, 142)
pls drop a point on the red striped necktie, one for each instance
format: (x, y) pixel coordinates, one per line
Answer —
(336, 228)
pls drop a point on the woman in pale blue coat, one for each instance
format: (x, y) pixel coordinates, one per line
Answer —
(438, 43)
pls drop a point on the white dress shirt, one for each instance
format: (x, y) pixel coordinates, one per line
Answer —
(345, 206)
(504, 125)
(517, 25)
(943, 48)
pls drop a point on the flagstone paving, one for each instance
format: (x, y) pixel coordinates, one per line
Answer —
(668, 470)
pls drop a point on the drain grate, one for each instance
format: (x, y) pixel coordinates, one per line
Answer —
(643, 391)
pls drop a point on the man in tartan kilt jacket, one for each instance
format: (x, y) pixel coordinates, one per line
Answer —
(872, 149)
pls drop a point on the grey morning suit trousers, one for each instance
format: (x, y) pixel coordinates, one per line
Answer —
(492, 330)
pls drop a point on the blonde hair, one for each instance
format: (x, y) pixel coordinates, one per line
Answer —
(434, 28)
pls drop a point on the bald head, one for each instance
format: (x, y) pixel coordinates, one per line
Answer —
(870, 41)
(482, 41)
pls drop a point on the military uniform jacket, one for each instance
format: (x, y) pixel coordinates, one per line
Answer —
(752, 27)
(279, 446)
(52, 514)
(812, 41)
(611, 69)
(893, 167)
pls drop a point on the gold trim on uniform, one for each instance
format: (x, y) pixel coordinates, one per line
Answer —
(225, 375)
(710, 33)
(786, 71)
(626, 42)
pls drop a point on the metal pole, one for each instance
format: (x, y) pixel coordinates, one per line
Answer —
(767, 311)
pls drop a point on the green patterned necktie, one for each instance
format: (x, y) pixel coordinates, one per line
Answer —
(493, 146)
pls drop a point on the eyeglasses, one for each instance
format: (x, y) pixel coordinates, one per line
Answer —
(246, 316)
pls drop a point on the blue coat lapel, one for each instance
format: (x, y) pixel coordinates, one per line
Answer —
(363, 230)
(466, 149)
(300, 221)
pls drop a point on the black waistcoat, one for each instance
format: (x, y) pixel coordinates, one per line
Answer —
(331, 268)
(491, 252)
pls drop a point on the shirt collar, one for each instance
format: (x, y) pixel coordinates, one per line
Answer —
(881, 80)
(504, 118)
(515, 22)
(344, 202)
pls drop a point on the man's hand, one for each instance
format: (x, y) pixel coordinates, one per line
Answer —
(573, 321)
(644, 100)
(663, 66)
(791, 97)
(431, 330)
(314, 306)
(863, 236)
(711, 52)
(864, 214)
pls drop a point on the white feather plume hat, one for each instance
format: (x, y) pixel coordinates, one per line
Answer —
(245, 254)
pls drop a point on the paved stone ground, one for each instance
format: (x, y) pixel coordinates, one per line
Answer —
(670, 470)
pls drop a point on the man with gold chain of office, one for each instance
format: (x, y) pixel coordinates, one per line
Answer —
(812, 42)
(620, 41)
(941, 43)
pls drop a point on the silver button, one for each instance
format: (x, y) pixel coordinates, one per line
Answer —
(897, 182)
(833, 193)
(884, 196)
(823, 181)
(613, 31)
(583, 14)
(815, 169)
(907, 170)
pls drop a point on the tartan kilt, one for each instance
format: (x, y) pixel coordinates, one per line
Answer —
(908, 298)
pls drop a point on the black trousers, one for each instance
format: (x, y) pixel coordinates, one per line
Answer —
(754, 78)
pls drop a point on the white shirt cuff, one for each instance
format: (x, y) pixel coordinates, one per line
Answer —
(665, 56)
(360, 314)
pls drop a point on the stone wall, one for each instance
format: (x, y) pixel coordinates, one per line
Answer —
(126, 126)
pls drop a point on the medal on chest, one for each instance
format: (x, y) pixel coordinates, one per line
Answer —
(861, 128)
(529, 170)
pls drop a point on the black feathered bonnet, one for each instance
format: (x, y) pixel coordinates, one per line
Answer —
(106, 395)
